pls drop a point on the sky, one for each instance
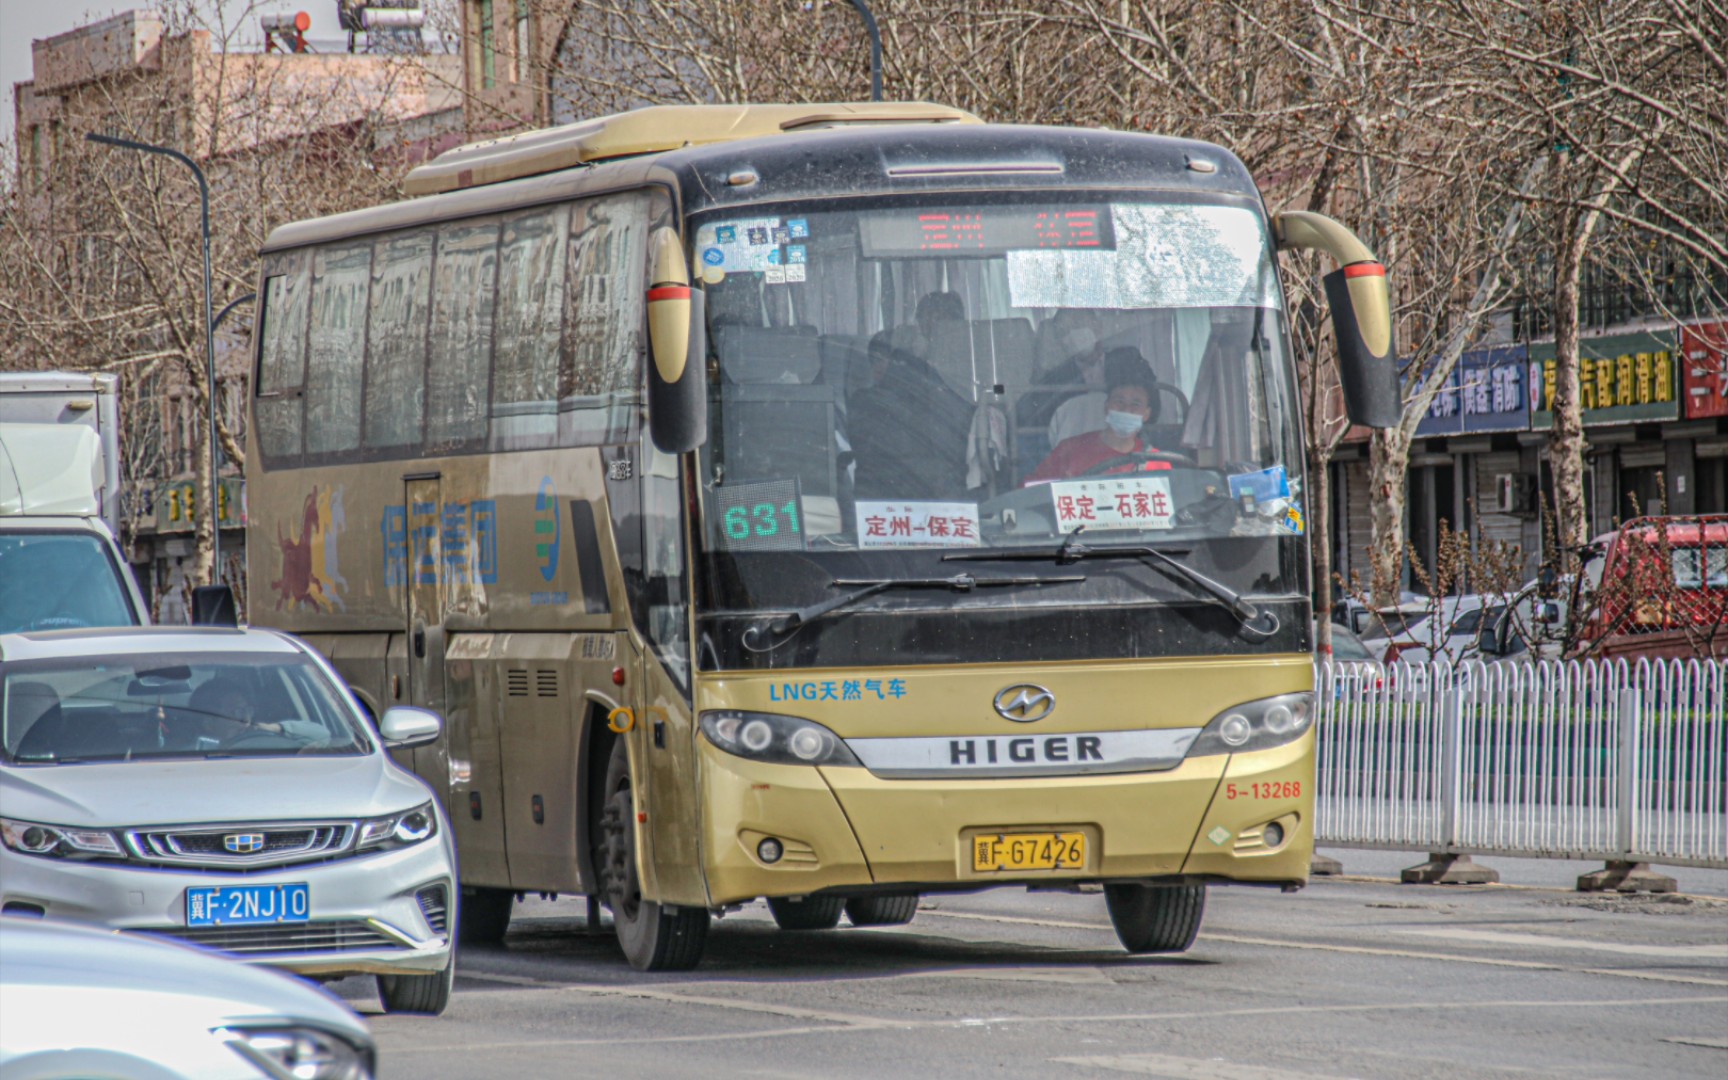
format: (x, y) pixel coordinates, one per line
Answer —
(24, 21)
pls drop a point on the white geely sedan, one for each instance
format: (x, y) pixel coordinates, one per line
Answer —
(222, 787)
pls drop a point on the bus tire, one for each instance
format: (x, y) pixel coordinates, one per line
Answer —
(425, 995)
(1155, 918)
(654, 937)
(892, 909)
(484, 915)
(810, 913)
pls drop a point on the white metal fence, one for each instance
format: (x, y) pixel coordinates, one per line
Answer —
(1578, 760)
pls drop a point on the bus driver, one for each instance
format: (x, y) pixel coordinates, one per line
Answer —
(1131, 403)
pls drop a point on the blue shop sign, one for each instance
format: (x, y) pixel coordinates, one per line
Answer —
(1487, 391)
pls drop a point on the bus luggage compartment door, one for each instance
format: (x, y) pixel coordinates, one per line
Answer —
(424, 616)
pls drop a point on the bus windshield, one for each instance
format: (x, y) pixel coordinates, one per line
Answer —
(894, 382)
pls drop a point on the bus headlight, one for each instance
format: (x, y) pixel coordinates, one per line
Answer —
(779, 740)
(1256, 725)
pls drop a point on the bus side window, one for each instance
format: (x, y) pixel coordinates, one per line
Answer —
(396, 342)
(341, 277)
(603, 319)
(281, 380)
(527, 329)
(464, 288)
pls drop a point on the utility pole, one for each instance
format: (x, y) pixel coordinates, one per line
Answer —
(215, 493)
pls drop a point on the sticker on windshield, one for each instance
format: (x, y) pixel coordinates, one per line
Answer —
(1291, 520)
(1262, 486)
(1116, 502)
(737, 247)
(798, 228)
(916, 524)
(794, 273)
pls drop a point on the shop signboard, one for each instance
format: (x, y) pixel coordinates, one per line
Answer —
(1704, 370)
(178, 503)
(1622, 379)
(1486, 392)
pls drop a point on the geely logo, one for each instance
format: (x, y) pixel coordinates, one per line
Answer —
(1024, 703)
(243, 843)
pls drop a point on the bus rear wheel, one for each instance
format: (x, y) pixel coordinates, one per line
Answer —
(894, 909)
(654, 937)
(810, 913)
(1155, 918)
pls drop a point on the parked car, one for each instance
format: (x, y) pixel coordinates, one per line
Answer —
(1425, 630)
(1655, 588)
(79, 1001)
(1346, 646)
(222, 787)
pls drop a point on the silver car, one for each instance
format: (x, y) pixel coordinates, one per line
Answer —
(222, 787)
(78, 1001)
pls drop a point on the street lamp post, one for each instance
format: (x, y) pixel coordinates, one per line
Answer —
(215, 492)
(875, 48)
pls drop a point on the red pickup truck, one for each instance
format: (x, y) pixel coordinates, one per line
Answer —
(1657, 588)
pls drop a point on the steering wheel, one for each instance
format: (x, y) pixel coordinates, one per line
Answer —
(1176, 392)
(1141, 458)
(252, 736)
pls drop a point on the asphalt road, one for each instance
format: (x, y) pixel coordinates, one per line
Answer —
(1354, 977)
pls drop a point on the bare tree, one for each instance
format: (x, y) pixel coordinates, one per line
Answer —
(100, 264)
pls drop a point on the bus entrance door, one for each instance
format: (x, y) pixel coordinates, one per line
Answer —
(425, 622)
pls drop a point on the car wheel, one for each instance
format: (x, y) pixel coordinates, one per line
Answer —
(654, 937)
(895, 909)
(1155, 918)
(425, 995)
(484, 915)
(810, 913)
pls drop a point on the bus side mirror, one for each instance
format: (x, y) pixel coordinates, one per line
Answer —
(677, 350)
(1361, 316)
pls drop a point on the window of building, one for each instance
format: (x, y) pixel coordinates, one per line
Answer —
(488, 46)
(524, 68)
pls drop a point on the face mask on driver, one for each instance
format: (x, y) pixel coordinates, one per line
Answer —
(1124, 424)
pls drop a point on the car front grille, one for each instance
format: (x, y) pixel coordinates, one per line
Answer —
(337, 936)
(435, 906)
(242, 847)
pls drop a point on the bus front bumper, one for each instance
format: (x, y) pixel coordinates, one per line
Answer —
(840, 828)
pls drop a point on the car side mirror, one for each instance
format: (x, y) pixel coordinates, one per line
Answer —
(1548, 612)
(1488, 640)
(403, 726)
(213, 605)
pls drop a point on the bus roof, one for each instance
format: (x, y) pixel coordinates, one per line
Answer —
(650, 130)
(835, 161)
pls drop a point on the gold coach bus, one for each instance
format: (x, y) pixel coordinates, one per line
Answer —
(823, 503)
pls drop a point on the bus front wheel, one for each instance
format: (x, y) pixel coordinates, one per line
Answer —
(654, 937)
(1156, 918)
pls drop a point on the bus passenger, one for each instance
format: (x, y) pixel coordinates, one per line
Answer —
(1130, 404)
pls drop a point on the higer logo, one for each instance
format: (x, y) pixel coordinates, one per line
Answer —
(1024, 703)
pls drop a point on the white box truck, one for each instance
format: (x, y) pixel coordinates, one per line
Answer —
(60, 566)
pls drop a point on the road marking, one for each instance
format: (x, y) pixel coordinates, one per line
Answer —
(674, 998)
(1542, 941)
(1364, 950)
(419, 1044)
(1699, 1040)
(1074, 976)
(1180, 1068)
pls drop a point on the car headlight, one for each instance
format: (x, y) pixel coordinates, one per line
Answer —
(58, 841)
(779, 740)
(399, 830)
(299, 1053)
(1256, 725)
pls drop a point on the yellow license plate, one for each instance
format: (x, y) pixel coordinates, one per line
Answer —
(996, 852)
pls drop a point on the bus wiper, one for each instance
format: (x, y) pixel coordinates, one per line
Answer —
(780, 630)
(1257, 623)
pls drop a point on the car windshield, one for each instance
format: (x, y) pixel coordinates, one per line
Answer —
(141, 707)
(1393, 623)
(894, 382)
(87, 586)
